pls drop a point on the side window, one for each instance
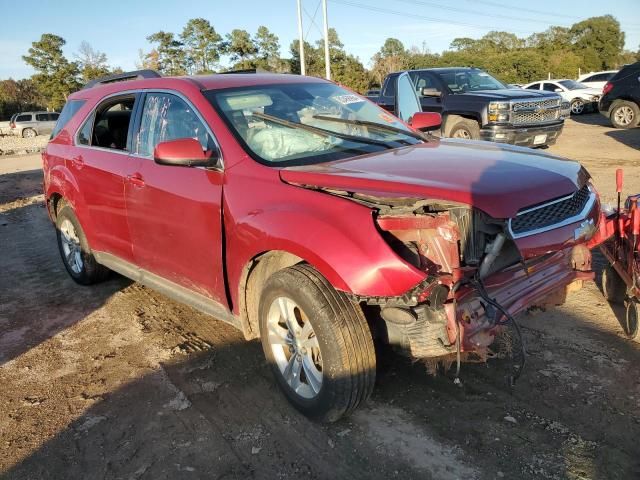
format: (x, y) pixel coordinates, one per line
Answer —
(84, 135)
(111, 125)
(168, 117)
(67, 113)
(535, 86)
(23, 118)
(42, 117)
(424, 80)
(550, 87)
(390, 88)
(53, 117)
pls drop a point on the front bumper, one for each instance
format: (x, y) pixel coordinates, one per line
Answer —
(523, 136)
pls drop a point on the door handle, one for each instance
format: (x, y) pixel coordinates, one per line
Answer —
(136, 180)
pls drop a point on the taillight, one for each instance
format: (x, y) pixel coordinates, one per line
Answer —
(607, 88)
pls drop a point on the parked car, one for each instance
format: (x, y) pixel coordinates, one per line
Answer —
(306, 216)
(31, 124)
(596, 80)
(476, 106)
(580, 96)
(620, 101)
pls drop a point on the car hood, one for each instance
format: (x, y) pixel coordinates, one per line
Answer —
(499, 180)
(508, 94)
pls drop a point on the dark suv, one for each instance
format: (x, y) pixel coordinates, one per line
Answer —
(620, 100)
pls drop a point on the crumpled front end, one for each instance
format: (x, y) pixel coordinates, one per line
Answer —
(481, 271)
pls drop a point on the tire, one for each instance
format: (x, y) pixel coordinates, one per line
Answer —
(29, 133)
(75, 251)
(613, 287)
(631, 327)
(624, 114)
(577, 106)
(466, 129)
(332, 338)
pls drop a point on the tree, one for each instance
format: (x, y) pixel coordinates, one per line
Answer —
(599, 40)
(391, 57)
(268, 51)
(203, 45)
(171, 57)
(92, 63)
(241, 48)
(55, 77)
(17, 96)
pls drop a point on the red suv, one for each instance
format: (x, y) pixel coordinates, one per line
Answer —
(305, 215)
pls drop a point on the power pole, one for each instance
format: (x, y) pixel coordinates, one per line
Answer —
(303, 70)
(327, 63)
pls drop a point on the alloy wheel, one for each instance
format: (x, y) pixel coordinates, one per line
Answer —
(462, 133)
(295, 347)
(71, 247)
(624, 115)
(577, 107)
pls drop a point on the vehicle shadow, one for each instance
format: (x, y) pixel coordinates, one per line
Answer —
(31, 263)
(593, 118)
(19, 185)
(629, 137)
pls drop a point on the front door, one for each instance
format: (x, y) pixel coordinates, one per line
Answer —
(174, 212)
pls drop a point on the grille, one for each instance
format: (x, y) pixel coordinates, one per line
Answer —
(536, 111)
(550, 214)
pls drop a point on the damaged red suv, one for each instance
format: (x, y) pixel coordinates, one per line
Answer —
(306, 216)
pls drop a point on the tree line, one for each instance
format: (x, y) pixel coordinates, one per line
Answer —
(593, 44)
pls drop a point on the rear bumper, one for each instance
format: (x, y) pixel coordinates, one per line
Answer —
(523, 136)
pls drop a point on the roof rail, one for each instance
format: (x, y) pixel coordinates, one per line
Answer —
(120, 77)
(244, 70)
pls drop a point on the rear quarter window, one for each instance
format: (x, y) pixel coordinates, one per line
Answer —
(42, 117)
(69, 110)
(23, 118)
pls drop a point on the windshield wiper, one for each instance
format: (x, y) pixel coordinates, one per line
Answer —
(321, 131)
(366, 123)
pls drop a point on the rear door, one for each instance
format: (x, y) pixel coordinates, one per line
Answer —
(102, 163)
(175, 212)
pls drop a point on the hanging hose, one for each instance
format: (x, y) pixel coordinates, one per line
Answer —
(509, 319)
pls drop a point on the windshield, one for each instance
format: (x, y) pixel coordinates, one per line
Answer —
(294, 124)
(460, 81)
(572, 84)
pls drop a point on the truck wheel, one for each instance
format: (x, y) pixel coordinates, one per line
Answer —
(28, 133)
(624, 114)
(613, 286)
(577, 106)
(317, 342)
(467, 129)
(75, 251)
(631, 328)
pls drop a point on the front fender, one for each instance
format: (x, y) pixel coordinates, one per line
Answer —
(337, 236)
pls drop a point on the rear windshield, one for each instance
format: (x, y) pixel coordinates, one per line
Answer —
(69, 110)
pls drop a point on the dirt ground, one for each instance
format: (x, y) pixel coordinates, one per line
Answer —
(117, 381)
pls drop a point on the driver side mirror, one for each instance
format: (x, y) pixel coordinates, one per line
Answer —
(425, 121)
(183, 152)
(430, 92)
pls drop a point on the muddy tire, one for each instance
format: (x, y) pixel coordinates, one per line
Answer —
(613, 286)
(466, 129)
(29, 133)
(632, 316)
(624, 114)
(75, 251)
(317, 342)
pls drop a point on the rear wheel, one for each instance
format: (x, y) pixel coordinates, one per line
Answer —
(577, 106)
(28, 133)
(613, 287)
(75, 251)
(624, 115)
(317, 343)
(466, 129)
(631, 328)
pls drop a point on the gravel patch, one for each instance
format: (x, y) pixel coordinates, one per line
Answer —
(14, 145)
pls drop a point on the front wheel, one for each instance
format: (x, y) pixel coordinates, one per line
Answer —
(465, 129)
(317, 343)
(577, 106)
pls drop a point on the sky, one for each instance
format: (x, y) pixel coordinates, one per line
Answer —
(119, 28)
